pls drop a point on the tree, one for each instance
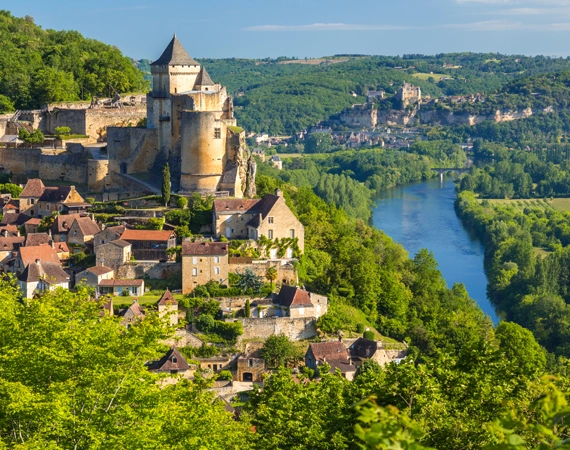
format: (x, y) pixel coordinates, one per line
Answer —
(271, 275)
(247, 309)
(166, 185)
(6, 105)
(318, 143)
(279, 350)
(249, 282)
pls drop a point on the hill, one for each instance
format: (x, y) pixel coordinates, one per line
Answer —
(39, 66)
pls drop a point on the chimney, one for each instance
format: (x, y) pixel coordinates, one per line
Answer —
(5, 233)
(279, 192)
(37, 261)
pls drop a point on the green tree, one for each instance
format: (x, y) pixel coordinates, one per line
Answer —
(6, 105)
(318, 143)
(166, 185)
(278, 350)
(249, 282)
(271, 275)
(247, 309)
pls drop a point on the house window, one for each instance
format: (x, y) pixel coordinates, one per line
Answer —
(217, 133)
(216, 259)
(135, 290)
(270, 234)
(291, 234)
(270, 220)
(174, 360)
(250, 363)
(32, 201)
(194, 272)
(194, 260)
(217, 270)
(173, 372)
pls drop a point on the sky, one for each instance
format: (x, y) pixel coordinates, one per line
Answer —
(312, 28)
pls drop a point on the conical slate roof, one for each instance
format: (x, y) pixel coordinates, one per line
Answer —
(203, 79)
(175, 55)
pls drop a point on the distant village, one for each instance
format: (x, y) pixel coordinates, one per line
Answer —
(91, 216)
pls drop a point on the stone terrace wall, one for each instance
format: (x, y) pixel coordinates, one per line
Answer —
(294, 328)
(155, 270)
(285, 274)
(20, 160)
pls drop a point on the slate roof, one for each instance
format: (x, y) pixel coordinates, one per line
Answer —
(15, 219)
(233, 205)
(55, 194)
(291, 296)
(45, 253)
(11, 243)
(203, 79)
(167, 299)
(264, 207)
(173, 360)
(146, 235)
(329, 351)
(50, 273)
(35, 239)
(363, 348)
(87, 226)
(205, 248)
(33, 188)
(175, 55)
(121, 282)
(63, 222)
(120, 243)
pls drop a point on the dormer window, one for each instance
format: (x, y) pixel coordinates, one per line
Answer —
(174, 360)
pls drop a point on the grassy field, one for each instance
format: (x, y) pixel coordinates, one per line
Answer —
(559, 204)
(124, 302)
(425, 76)
(314, 61)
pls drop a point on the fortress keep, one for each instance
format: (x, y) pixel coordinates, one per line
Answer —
(190, 125)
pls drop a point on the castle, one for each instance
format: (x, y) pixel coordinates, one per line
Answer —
(190, 125)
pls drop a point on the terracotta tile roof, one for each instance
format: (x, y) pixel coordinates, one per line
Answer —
(50, 273)
(167, 299)
(173, 360)
(291, 296)
(63, 222)
(61, 247)
(99, 270)
(132, 312)
(55, 194)
(11, 243)
(35, 239)
(363, 348)
(146, 235)
(15, 219)
(120, 243)
(34, 221)
(45, 253)
(175, 55)
(235, 205)
(10, 230)
(329, 351)
(121, 282)
(343, 366)
(205, 248)
(87, 226)
(12, 204)
(34, 189)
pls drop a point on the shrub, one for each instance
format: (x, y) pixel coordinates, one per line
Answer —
(225, 375)
(205, 323)
(181, 202)
(90, 200)
(369, 335)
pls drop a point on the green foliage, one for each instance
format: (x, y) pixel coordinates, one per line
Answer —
(35, 137)
(249, 282)
(10, 188)
(224, 375)
(166, 184)
(278, 350)
(6, 105)
(369, 335)
(318, 143)
(181, 202)
(247, 309)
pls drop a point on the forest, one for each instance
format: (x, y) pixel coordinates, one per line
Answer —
(38, 66)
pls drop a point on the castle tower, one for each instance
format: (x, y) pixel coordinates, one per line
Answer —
(173, 73)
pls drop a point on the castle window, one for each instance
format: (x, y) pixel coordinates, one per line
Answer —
(217, 133)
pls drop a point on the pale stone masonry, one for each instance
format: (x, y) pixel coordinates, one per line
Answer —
(202, 262)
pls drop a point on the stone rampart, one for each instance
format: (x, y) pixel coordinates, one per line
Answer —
(68, 166)
(155, 270)
(21, 160)
(294, 328)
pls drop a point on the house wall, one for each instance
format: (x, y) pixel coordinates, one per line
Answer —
(283, 221)
(205, 266)
(293, 328)
(236, 223)
(112, 256)
(154, 270)
(254, 366)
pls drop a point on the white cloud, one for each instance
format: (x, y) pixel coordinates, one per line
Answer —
(328, 27)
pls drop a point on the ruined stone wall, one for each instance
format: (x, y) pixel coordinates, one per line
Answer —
(294, 328)
(68, 166)
(135, 147)
(97, 170)
(21, 160)
(148, 269)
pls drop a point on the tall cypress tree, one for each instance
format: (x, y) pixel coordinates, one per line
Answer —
(166, 184)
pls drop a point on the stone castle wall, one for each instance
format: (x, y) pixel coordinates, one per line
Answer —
(21, 160)
(152, 270)
(70, 167)
(294, 328)
(97, 170)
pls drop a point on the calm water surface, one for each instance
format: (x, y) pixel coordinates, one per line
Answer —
(421, 215)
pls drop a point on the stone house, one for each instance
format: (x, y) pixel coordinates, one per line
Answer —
(93, 276)
(82, 231)
(173, 362)
(113, 254)
(9, 230)
(120, 287)
(334, 354)
(363, 349)
(150, 245)
(31, 226)
(132, 314)
(291, 302)
(215, 363)
(14, 219)
(276, 162)
(61, 225)
(9, 246)
(107, 235)
(45, 253)
(250, 368)
(11, 207)
(40, 277)
(37, 200)
(251, 219)
(168, 306)
(202, 262)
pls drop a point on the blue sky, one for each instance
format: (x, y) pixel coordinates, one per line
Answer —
(262, 28)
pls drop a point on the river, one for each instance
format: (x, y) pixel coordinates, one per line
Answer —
(421, 215)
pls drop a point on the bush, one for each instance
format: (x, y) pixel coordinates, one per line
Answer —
(225, 375)
(181, 202)
(205, 323)
(90, 200)
(360, 328)
(369, 335)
